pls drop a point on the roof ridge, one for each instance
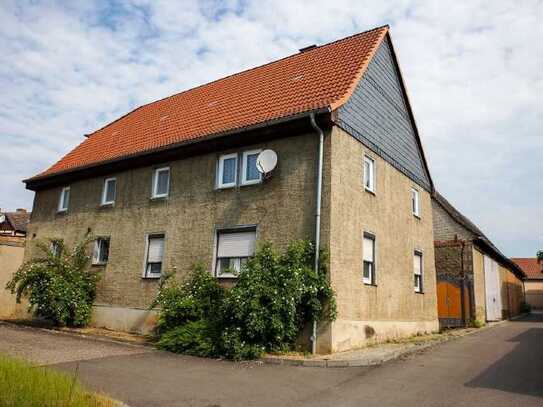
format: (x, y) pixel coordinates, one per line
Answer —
(351, 88)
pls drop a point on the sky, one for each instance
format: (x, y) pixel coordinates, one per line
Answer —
(473, 70)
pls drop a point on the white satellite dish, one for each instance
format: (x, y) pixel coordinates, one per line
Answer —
(266, 161)
(2, 218)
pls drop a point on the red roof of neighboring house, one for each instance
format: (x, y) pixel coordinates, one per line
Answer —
(530, 267)
(319, 78)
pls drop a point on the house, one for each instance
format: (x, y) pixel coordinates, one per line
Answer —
(14, 223)
(176, 181)
(475, 281)
(12, 248)
(533, 283)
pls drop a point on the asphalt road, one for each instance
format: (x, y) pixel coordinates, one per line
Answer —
(500, 366)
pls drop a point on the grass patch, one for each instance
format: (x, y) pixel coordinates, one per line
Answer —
(25, 385)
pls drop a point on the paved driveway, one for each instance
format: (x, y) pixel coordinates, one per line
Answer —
(501, 366)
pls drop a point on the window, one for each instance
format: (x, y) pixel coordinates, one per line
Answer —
(233, 250)
(154, 255)
(161, 182)
(368, 252)
(369, 174)
(417, 271)
(415, 202)
(64, 200)
(250, 174)
(100, 254)
(109, 192)
(228, 170)
(56, 248)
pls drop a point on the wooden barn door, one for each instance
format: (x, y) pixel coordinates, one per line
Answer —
(449, 303)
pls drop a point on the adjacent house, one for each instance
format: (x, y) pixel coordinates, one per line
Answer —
(14, 223)
(12, 248)
(533, 283)
(475, 281)
(176, 181)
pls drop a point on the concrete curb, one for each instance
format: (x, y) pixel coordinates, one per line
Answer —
(79, 335)
(374, 361)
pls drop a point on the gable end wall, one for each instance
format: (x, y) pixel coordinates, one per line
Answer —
(377, 115)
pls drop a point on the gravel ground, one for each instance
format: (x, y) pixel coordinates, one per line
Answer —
(45, 347)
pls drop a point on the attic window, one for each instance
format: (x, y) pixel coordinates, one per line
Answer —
(297, 78)
(164, 117)
(210, 104)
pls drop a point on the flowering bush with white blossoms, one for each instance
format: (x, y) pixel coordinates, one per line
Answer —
(275, 296)
(59, 285)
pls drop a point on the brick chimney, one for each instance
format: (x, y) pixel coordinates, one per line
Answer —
(21, 210)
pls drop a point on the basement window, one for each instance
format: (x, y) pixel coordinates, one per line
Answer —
(368, 253)
(417, 271)
(100, 254)
(369, 174)
(234, 248)
(415, 202)
(64, 199)
(154, 254)
(161, 182)
(109, 191)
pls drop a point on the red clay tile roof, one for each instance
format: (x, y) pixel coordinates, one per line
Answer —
(322, 77)
(530, 267)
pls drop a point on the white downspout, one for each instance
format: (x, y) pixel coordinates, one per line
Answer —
(317, 216)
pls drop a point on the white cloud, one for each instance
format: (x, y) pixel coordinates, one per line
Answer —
(473, 70)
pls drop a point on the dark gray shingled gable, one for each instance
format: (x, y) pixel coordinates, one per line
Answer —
(377, 115)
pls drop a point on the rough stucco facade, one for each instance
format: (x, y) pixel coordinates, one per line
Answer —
(391, 308)
(282, 208)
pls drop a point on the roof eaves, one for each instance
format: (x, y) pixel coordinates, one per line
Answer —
(30, 182)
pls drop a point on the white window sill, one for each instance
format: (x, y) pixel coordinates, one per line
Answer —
(371, 191)
(252, 182)
(148, 277)
(99, 264)
(159, 197)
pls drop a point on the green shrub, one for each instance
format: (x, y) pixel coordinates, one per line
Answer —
(275, 296)
(195, 338)
(59, 286)
(198, 297)
(477, 323)
(525, 308)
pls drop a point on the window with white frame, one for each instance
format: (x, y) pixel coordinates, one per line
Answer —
(250, 173)
(64, 199)
(100, 254)
(234, 247)
(154, 255)
(368, 253)
(109, 191)
(417, 271)
(228, 170)
(161, 182)
(415, 202)
(369, 174)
